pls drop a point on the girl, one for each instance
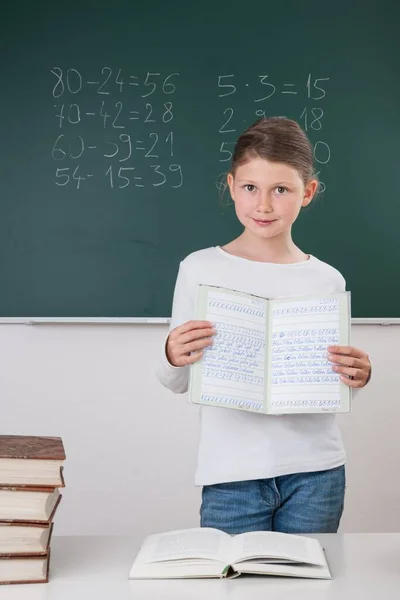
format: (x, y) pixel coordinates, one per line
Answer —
(260, 472)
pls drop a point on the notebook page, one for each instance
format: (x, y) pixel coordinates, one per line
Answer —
(231, 372)
(302, 379)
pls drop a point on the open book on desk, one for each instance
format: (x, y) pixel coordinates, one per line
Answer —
(271, 356)
(207, 552)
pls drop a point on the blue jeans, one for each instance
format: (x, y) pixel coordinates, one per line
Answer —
(298, 503)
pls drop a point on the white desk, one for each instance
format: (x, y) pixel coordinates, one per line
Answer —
(364, 567)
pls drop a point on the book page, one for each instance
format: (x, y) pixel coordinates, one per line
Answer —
(287, 570)
(302, 379)
(205, 543)
(271, 544)
(231, 372)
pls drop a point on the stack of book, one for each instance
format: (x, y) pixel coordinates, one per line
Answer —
(31, 473)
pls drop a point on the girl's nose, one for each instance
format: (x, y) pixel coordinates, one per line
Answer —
(264, 204)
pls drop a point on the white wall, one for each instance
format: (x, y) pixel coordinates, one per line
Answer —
(131, 444)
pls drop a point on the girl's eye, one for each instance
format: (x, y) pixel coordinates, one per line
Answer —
(281, 190)
(249, 187)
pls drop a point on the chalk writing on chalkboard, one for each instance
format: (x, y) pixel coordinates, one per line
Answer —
(117, 105)
(134, 131)
(310, 116)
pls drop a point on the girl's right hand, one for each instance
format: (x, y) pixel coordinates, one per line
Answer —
(186, 343)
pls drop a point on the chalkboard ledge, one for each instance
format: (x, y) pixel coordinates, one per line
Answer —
(146, 321)
(82, 320)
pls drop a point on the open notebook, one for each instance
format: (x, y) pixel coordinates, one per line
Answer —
(270, 356)
(208, 552)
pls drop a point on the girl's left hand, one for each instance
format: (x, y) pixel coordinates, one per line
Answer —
(353, 365)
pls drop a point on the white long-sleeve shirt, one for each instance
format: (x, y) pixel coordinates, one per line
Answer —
(238, 445)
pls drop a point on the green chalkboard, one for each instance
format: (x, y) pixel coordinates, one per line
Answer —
(118, 120)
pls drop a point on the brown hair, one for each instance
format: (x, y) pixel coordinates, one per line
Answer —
(276, 139)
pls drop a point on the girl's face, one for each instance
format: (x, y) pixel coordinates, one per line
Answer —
(268, 196)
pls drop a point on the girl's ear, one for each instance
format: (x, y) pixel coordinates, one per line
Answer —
(309, 192)
(230, 181)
